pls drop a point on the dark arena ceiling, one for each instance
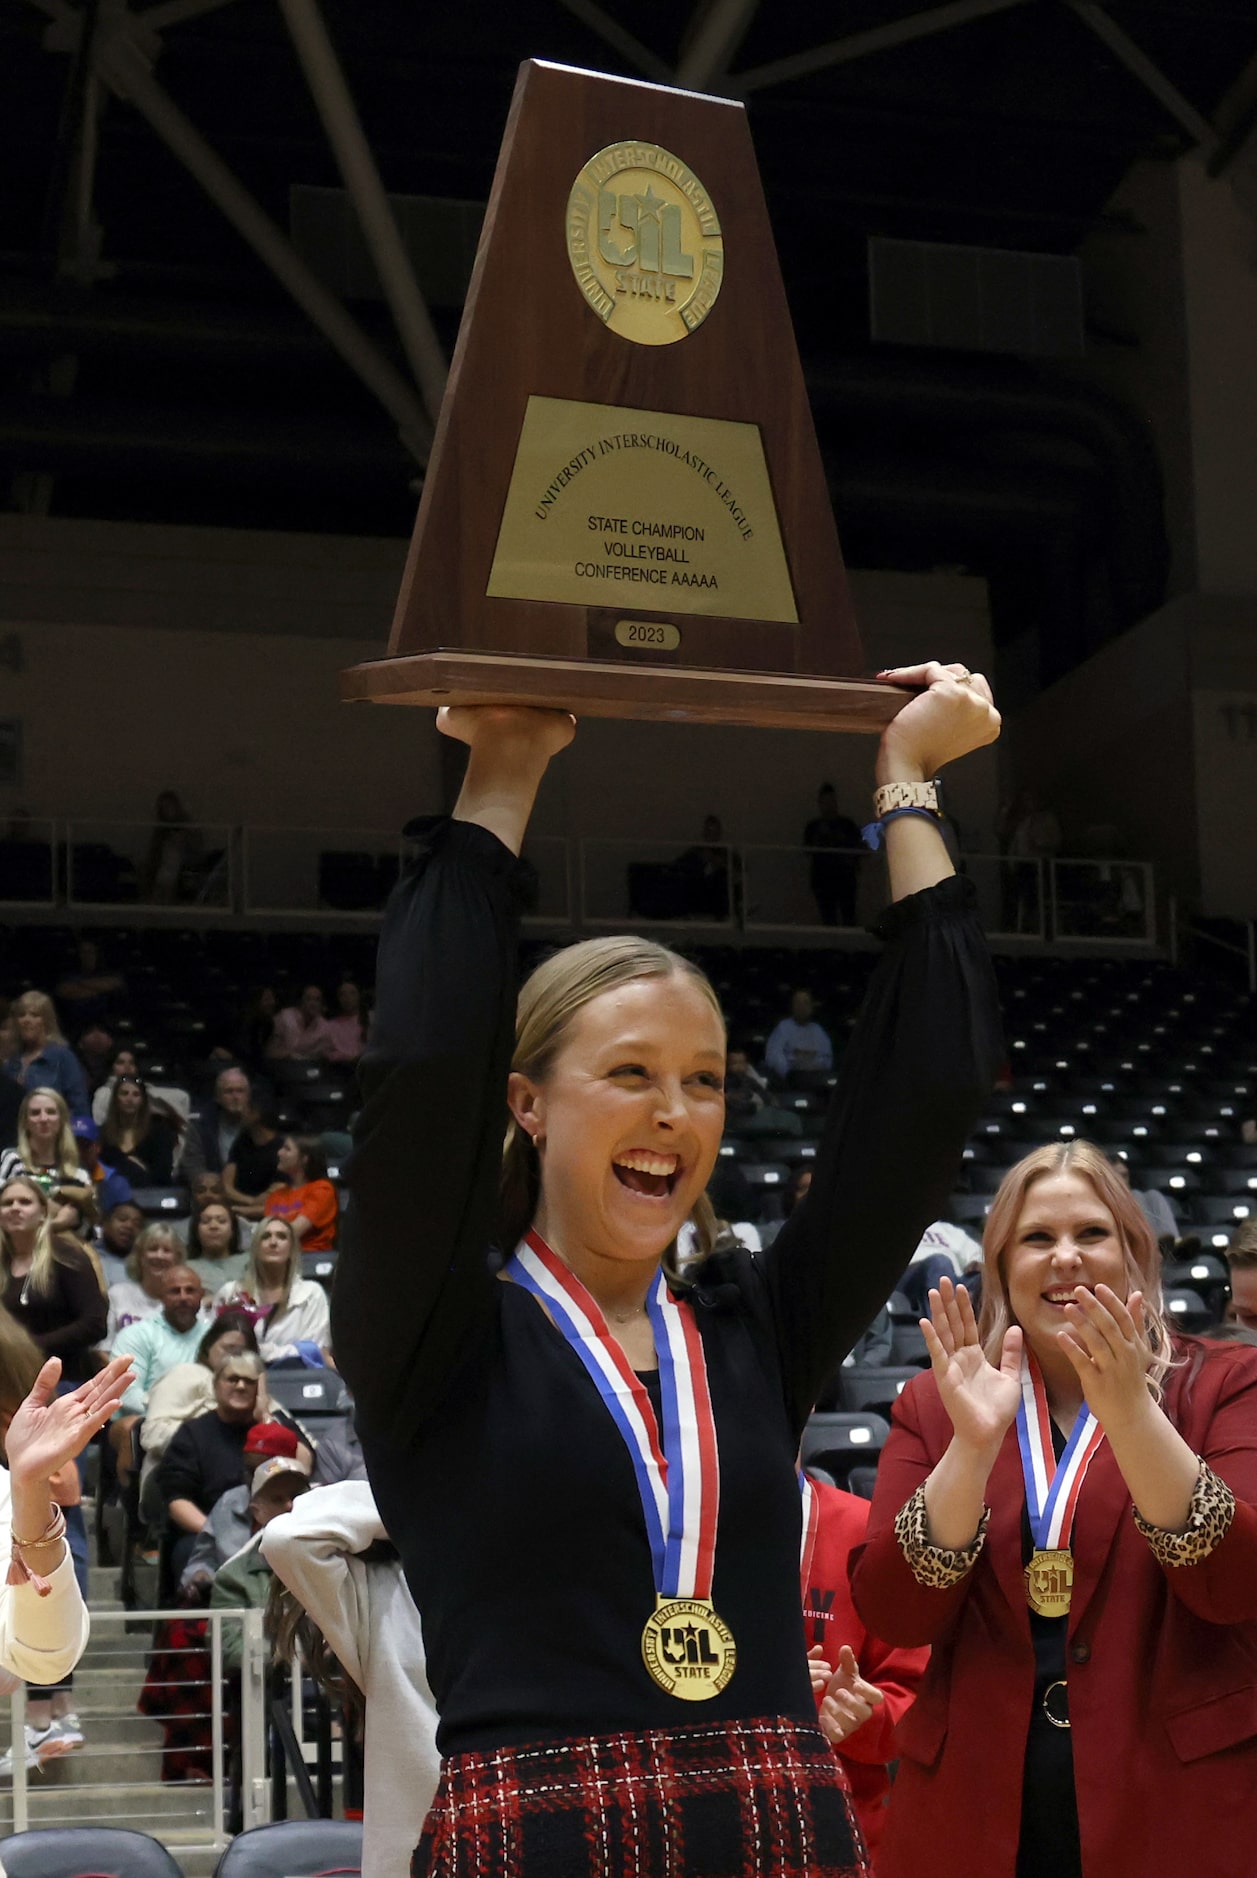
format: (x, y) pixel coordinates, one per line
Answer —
(154, 368)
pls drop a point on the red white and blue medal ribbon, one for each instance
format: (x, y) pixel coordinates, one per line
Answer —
(1052, 1489)
(686, 1648)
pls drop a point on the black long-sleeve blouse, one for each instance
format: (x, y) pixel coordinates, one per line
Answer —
(499, 1473)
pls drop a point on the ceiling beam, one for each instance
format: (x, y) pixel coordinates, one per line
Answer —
(875, 39)
(631, 50)
(1150, 75)
(716, 32)
(335, 105)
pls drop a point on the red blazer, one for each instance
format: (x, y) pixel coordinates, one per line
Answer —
(1162, 1664)
(830, 1619)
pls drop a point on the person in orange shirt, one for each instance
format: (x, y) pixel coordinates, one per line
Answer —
(863, 1687)
(309, 1201)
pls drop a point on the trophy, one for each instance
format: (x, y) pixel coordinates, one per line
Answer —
(625, 512)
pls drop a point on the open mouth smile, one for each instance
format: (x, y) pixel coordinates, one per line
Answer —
(647, 1173)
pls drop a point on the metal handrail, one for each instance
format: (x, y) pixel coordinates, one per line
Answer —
(254, 1790)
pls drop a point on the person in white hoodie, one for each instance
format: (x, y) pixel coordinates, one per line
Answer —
(43, 1619)
(368, 1617)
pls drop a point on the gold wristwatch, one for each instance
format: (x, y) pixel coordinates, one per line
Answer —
(922, 795)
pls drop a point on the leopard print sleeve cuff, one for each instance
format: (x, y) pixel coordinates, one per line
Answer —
(936, 1567)
(1208, 1522)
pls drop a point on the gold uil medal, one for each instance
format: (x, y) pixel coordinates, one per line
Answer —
(644, 242)
(1049, 1581)
(689, 1652)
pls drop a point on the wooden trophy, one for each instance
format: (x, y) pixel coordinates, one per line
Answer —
(625, 511)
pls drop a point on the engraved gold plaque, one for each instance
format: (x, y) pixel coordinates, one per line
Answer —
(647, 635)
(688, 1649)
(644, 243)
(610, 506)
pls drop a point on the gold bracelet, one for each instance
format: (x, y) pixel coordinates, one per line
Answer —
(52, 1534)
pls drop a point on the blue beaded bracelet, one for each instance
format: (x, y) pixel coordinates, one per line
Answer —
(871, 834)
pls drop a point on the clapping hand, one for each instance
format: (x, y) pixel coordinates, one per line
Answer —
(849, 1700)
(50, 1429)
(820, 1670)
(980, 1398)
(1105, 1341)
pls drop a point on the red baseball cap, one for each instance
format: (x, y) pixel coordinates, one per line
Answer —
(271, 1438)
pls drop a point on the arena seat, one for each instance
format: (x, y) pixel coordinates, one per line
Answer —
(306, 1391)
(87, 1852)
(866, 1386)
(1188, 1310)
(907, 1345)
(295, 1848)
(163, 1202)
(319, 1266)
(839, 1441)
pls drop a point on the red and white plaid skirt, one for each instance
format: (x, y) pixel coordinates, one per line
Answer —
(745, 1799)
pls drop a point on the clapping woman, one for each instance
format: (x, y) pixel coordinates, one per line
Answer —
(1067, 1511)
(632, 1693)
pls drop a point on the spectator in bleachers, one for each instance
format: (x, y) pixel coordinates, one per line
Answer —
(749, 1107)
(346, 1028)
(271, 1457)
(302, 1033)
(258, 1027)
(337, 1564)
(206, 1454)
(43, 1059)
(155, 1345)
(49, 1283)
(308, 1201)
(111, 1188)
(138, 1138)
(188, 1389)
(1241, 1262)
(141, 1292)
(945, 1251)
(119, 1230)
(175, 845)
(339, 1454)
(798, 1042)
(88, 991)
(291, 1312)
(1154, 1206)
(245, 1581)
(95, 1050)
(208, 1143)
(834, 870)
(46, 1148)
(1141, 1629)
(254, 1165)
(863, 1687)
(213, 1245)
(166, 1098)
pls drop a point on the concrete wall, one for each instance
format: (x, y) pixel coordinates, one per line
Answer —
(207, 660)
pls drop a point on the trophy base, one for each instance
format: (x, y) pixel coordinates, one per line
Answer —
(666, 694)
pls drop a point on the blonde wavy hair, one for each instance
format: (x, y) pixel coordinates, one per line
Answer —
(152, 1234)
(43, 1258)
(1143, 1255)
(252, 1280)
(549, 1001)
(69, 1167)
(39, 1004)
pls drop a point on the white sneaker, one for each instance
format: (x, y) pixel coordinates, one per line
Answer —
(36, 1738)
(63, 1736)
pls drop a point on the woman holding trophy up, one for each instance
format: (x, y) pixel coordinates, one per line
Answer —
(587, 1461)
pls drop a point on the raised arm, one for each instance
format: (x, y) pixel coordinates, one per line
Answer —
(915, 1073)
(412, 1282)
